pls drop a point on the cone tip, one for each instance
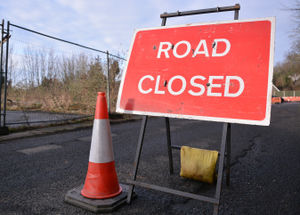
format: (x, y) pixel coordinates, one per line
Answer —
(101, 107)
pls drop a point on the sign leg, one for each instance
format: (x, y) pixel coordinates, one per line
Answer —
(221, 167)
(216, 209)
(169, 145)
(137, 157)
(228, 158)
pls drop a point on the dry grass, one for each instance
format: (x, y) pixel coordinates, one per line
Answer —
(51, 83)
(79, 99)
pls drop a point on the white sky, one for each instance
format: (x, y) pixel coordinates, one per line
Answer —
(109, 24)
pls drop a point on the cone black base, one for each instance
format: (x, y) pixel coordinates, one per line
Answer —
(96, 205)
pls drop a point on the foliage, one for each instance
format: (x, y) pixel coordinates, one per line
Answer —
(55, 83)
(287, 73)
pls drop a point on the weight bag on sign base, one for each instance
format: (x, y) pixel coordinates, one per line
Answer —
(198, 164)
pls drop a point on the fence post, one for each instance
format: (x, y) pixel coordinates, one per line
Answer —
(1, 71)
(6, 73)
(108, 84)
(4, 38)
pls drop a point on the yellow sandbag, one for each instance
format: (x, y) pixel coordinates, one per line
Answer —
(198, 164)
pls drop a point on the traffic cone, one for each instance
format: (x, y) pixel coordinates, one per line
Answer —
(101, 180)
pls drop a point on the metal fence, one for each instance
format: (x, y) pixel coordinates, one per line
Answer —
(286, 93)
(46, 84)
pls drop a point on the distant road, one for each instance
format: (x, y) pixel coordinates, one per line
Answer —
(33, 118)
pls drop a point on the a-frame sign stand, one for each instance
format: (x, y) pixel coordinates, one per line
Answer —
(225, 142)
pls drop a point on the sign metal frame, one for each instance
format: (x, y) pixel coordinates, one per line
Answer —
(225, 146)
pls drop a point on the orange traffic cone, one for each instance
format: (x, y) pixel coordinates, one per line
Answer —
(101, 180)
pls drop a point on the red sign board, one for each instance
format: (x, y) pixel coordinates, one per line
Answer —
(216, 71)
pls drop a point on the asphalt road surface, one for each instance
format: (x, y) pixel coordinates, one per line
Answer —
(36, 173)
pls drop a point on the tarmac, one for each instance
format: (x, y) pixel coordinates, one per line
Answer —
(37, 172)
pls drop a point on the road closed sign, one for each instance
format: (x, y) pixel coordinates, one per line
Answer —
(213, 71)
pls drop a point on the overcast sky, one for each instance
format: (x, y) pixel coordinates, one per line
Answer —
(110, 24)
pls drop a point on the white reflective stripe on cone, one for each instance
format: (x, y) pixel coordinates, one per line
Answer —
(101, 146)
